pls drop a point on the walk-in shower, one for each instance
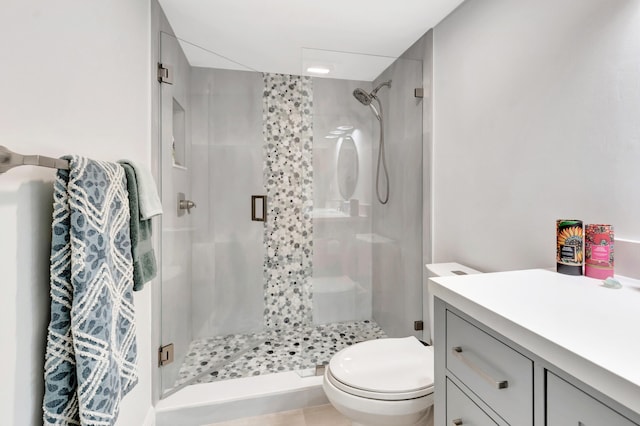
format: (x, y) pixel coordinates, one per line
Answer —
(367, 99)
(326, 269)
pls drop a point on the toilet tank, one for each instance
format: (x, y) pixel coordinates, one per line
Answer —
(438, 270)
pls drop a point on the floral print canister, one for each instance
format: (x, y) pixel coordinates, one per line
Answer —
(569, 247)
(598, 251)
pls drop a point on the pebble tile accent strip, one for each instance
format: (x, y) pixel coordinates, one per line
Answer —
(288, 177)
(272, 351)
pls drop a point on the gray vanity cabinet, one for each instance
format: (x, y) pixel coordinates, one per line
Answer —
(462, 410)
(482, 378)
(568, 405)
(497, 374)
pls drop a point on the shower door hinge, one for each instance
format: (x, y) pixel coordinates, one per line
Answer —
(165, 355)
(165, 73)
(418, 325)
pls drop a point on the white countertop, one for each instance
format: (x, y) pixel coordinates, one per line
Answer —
(587, 330)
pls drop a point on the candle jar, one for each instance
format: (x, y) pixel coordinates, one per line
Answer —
(569, 246)
(598, 251)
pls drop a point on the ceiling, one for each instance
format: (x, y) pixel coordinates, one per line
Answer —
(354, 39)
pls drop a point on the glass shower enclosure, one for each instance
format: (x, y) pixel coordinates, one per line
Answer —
(269, 235)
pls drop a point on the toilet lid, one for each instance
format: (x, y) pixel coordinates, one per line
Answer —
(385, 366)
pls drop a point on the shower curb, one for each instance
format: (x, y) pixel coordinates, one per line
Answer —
(209, 403)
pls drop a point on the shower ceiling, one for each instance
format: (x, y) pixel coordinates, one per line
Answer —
(288, 36)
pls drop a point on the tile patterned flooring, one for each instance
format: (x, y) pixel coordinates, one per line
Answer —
(235, 356)
(323, 415)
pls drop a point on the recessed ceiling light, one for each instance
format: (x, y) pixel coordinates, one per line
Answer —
(337, 132)
(318, 70)
(331, 137)
(344, 127)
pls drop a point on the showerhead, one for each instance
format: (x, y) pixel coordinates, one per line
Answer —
(366, 98)
(363, 97)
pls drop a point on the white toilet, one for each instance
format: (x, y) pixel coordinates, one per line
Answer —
(387, 382)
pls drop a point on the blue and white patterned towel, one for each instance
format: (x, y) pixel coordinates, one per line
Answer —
(91, 355)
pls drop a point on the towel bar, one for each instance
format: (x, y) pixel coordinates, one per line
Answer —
(10, 159)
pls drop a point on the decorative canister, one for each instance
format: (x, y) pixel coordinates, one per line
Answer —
(598, 251)
(569, 246)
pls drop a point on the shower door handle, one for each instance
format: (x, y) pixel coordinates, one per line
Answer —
(255, 201)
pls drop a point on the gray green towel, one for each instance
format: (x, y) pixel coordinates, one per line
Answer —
(144, 258)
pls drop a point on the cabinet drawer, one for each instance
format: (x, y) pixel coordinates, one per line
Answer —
(568, 405)
(497, 374)
(462, 411)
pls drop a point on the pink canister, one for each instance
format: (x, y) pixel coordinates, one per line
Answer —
(598, 251)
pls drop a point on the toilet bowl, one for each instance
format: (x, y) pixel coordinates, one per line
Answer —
(388, 382)
(384, 382)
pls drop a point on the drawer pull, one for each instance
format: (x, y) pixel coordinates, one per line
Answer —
(457, 422)
(499, 384)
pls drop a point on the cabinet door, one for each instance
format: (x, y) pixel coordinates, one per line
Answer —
(461, 411)
(568, 405)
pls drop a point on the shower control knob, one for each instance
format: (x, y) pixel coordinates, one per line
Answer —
(186, 205)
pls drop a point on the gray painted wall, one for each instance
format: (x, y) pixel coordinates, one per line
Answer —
(536, 119)
(85, 109)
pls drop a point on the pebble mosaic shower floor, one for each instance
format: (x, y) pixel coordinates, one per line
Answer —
(244, 355)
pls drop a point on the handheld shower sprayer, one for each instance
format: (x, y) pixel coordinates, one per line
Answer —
(367, 99)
